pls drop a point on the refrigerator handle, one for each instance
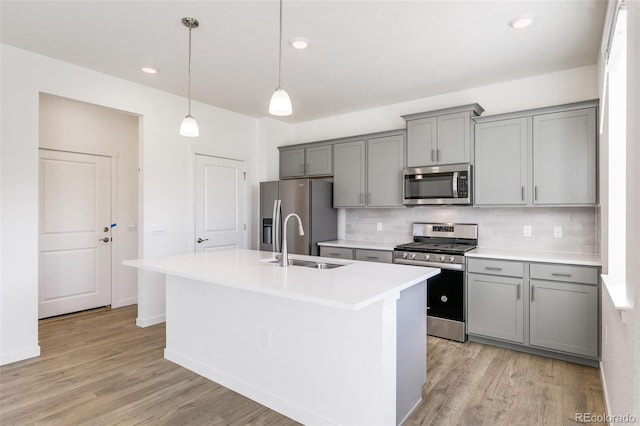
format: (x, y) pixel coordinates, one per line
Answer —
(275, 228)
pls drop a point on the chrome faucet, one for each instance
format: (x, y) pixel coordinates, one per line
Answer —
(284, 260)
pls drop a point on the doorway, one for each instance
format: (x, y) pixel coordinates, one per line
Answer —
(74, 259)
(219, 203)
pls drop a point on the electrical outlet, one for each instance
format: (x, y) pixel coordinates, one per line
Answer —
(527, 230)
(557, 232)
(379, 226)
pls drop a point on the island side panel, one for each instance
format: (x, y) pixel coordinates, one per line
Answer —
(411, 349)
(315, 364)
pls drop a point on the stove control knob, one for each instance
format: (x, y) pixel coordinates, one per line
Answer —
(427, 256)
(451, 259)
(412, 256)
(441, 258)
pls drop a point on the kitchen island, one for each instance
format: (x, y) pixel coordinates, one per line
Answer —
(344, 345)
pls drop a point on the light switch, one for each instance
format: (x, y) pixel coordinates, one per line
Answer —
(557, 232)
(379, 226)
(527, 230)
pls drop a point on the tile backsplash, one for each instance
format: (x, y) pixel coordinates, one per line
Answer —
(497, 227)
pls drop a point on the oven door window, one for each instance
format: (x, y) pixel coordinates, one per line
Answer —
(438, 185)
(445, 295)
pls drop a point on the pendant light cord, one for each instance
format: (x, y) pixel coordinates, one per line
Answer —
(189, 83)
(280, 47)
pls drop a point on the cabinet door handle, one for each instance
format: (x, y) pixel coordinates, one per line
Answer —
(561, 274)
(492, 268)
(433, 155)
(369, 198)
(518, 292)
(535, 193)
(301, 167)
(437, 155)
(361, 197)
(522, 193)
(533, 294)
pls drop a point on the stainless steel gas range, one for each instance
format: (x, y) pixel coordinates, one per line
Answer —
(442, 245)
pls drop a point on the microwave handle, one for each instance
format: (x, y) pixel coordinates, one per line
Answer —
(455, 184)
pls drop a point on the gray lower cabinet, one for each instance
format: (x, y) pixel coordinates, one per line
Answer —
(336, 252)
(564, 308)
(495, 307)
(367, 255)
(544, 157)
(316, 160)
(368, 172)
(553, 308)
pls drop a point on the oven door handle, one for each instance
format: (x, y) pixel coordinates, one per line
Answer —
(449, 266)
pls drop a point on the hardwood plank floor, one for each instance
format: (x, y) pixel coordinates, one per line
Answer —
(100, 369)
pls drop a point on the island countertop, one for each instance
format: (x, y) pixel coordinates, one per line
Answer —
(353, 286)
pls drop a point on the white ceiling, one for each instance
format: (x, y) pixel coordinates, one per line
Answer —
(363, 54)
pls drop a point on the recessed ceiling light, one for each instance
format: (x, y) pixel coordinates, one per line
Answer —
(149, 70)
(300, 43)
(522, 22)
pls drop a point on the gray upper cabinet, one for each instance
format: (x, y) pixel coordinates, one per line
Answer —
(368, 172)
(441, 137)
(501, 166)
(539, 157)
(316, 160)
(421, 142)
(349, 174)
(564, 153)
(292, 163)
(385, 161)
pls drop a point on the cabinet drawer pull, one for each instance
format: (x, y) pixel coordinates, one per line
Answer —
(372, 257)
(492, 268)
(561, 274)
(335, 254)
(533, 294)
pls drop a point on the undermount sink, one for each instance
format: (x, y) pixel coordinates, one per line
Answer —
(306, 263)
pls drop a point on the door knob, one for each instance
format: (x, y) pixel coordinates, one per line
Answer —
(104, 240)
(200, 240)
(106, 229)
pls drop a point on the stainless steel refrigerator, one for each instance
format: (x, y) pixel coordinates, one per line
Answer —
(310, 199)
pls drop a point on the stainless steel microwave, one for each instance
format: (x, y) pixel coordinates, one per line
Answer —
(449, 184)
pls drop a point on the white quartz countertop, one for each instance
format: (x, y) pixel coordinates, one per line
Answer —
(536, 256)
(367, 245)
(353, 286)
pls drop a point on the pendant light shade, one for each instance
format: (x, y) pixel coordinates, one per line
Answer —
(280, 101)
(189, 126)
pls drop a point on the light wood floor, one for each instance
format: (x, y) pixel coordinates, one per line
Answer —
(100, 369)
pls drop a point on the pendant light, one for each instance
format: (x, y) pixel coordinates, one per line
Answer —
(280, 101)
(189, 126)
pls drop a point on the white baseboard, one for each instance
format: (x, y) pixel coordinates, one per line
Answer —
(19, 355)
(124, 302)
(604, 390)
(148, 322)
(259, 395)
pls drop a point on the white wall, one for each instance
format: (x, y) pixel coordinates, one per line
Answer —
(620, 363)
(164, 179)
(562, 87)
(65, 124)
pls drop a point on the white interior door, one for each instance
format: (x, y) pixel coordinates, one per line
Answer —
(74, 266)
(219, 203)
